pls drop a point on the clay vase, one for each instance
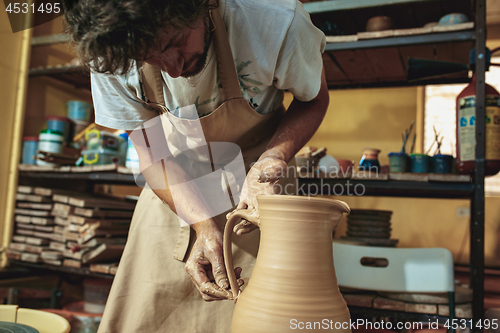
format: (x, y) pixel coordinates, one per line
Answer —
(293, 283)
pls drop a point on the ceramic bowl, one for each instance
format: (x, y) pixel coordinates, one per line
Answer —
(308, 163)
(345, 166)
(453, 18)
(379, 23)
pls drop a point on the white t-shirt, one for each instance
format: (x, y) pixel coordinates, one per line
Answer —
(275, 47)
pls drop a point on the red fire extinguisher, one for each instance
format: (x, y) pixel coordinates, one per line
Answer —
(466, 130)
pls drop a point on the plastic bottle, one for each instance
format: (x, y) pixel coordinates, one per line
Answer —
(466, 130)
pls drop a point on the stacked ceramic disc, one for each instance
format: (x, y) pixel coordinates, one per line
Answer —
(370, 226)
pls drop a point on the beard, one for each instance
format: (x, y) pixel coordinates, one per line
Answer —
(197, 63)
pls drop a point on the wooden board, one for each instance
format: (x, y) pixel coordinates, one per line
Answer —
(30, 257)
(386, 63)
(22, 219)
(13, 255)
(36, 241)
(42, 220)
(421, 308)
(25, 232)
(461, 310)
(100, 203)
(19, 239)
(52, 262)
(103, 268)
(17, 247)
(35, 249)
(97, 213)
(62, 210)
(44, 228)
(462, 295)
(72, 263)
(24, 189)
(332, 71)
(57, 246)
(406, 176)
(103, 253)
(32, 205)
(32, 212)
(76, 255)
(359, 300)
(61, 221)
(32, 198)
(438, 177)
(113, 270)
(25, 226)
(362, 175)
(388, 304)
(355, 65)
(81, 220)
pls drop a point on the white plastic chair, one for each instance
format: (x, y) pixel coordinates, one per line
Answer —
(44, 322)
(406, 270)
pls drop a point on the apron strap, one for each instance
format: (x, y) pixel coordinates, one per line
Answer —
(152, 84)
(225, 61)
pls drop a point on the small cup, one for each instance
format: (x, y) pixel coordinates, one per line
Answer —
(442, 163)
(397, 162)
(420, 163)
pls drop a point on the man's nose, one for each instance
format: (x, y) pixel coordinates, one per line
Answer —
(174, 65)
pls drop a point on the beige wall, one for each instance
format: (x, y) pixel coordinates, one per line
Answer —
(12, 89)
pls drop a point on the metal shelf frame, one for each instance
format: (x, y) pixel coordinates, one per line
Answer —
(474, 191)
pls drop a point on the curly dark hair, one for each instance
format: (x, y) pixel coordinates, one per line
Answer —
(110, 34)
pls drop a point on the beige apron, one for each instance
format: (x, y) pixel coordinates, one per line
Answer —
(151, 291)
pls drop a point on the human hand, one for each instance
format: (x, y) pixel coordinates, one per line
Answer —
(261, 179)
(205, 265)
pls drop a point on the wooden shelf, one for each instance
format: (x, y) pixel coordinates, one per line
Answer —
(334, 5)
(70, 270)
(76, 75)
(386, 188)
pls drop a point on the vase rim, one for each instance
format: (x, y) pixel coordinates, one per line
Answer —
(298, 198)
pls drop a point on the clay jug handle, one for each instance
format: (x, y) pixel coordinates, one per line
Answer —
(228, 254)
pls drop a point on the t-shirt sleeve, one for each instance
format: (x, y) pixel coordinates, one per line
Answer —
(116, 106)
(300, 62)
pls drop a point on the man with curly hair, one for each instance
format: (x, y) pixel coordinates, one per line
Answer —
(226, 65)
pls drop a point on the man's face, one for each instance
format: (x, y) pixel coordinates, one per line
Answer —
(182, 52)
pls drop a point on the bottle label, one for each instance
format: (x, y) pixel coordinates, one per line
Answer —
(467, 128)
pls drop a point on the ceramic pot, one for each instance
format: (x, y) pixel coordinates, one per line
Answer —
(369, 160)
(420, 163)
(293, 281)
(397, 162)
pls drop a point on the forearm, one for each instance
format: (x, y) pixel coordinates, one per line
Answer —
(185, 199)
(299, 123)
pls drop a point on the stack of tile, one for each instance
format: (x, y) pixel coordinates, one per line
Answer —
(68, 228)
(370, 226)
(34, 226)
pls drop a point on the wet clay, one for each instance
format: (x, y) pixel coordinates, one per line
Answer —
(293, 284)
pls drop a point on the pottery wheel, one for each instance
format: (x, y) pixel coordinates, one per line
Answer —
(6, 327)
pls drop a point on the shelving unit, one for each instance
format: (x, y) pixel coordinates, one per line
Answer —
(382, 62)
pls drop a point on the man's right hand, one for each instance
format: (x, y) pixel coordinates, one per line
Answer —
(205, 265)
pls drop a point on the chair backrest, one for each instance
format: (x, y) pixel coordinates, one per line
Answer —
(406, 270)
